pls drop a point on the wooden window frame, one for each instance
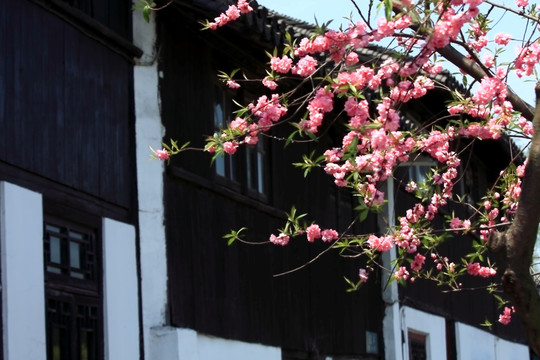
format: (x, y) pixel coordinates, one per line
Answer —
(74, 305)
(236, 171)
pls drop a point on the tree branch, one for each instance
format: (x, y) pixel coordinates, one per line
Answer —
(514, 248)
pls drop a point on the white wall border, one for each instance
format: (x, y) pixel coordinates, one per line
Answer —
(149, 132)
(179, 344)
(23, 287)
(473, 343)
(424, 323)
(120, 291)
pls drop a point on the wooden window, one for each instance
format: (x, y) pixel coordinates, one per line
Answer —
(417, 346)
(257, 167)
(247, 171)
(225, 166)
(73, 291)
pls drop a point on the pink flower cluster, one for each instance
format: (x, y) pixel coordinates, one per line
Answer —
(457, 223)
(450, 23)
(527, 59)
(232, 84)
(231, 14)
(418, 262)
(230, 147)
(506, 317)
(407, 90)
(268, 111)
(337, 43)
(305, 66)
(401, 274)
(363, 275)
(282, 239)
(314, 232)
(490, 88)
(406, 237)
(382, 243)
(322, 103)
(437, 144)
(282, 65)
(502, 39)
(162, 154)
(483, 271)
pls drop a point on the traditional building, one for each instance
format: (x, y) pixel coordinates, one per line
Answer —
(107, 255)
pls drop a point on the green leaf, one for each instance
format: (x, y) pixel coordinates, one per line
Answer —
(363, 215)
(146, 13)
(388, 9)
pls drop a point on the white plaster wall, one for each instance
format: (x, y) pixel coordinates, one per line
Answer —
(473, 343)
(507, 350)
(187, 344)
(211, 348)
(390, 295)
(476, 344)
(432, 325)
(149, 132)
(23, 299)
(120, 294)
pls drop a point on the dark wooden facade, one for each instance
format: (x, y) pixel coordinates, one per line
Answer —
(66, 109)
(230, 291)
(67, 132)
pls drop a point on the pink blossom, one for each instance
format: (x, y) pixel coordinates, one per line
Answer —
(506, 317)
(232, 13)
(362, 273)
(244, 7)
(378, 139)
(282, 65)
(313, 232)
(383, 243)
(239, 124)
(282, 239)
(230, 147)
(162, 154)
(251, 140)
(232, 84)
(522, 3)
(268, 111)
(418, 262)
(456, 223)
(501, 72)
(411, 187)
(329, 235)
(502, 38)
(401, 274)
(476, 270)
(527, 59)
(489, 88)
(351, 59)
(305, 66)
(269, 83)
(520, 170)
(488, 60)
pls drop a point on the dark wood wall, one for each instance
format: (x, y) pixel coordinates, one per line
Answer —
(231, 291)
(65, 107)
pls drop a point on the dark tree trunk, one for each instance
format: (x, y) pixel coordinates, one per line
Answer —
(514, 248)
